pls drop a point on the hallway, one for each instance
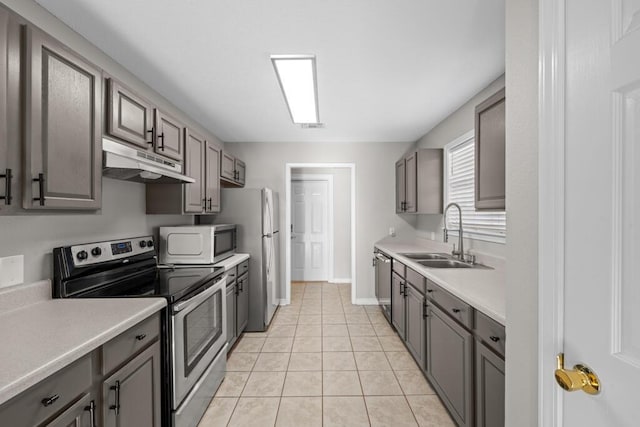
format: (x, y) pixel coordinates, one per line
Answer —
(324, 362)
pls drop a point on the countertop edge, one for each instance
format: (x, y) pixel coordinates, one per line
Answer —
(498, 317)
(13, 389)
(232, 261)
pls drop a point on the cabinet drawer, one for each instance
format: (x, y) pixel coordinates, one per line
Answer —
(416, 280)
(232, 273)
(399, 267)
(62, 388)
(453, 306)
(490, 332)
(129, 343)
(243, 267)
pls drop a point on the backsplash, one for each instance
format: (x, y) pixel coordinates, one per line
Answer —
(123, 215)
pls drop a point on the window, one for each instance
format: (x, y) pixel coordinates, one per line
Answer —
(459, 178)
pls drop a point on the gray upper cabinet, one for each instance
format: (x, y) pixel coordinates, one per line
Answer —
(232, 171)
(241, 170)
(397, 304)
(489, 387)
(131, 396)
(63, 127)
(416, 326)
(194, 167)
(450, 364)
(129, 116)
(169, 134)
(490, 153)
(419, 182)
(212, 170)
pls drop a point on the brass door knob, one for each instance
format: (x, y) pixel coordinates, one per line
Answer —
(581, 377)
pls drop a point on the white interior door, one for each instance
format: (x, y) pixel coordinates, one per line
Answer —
(310, 230)
(602, 209)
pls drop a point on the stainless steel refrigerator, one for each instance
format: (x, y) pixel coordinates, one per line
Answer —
(256, 213)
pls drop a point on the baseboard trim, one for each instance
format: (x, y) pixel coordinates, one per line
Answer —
(284, 301)
(366, 301)
(339, 280)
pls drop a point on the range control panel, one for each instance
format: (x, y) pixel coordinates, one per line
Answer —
(94, 253)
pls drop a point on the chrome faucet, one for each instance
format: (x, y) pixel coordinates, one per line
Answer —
(460, 252)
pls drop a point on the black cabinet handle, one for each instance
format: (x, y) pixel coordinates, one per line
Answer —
(210, 203)
(48, 401)
(161, 138)
(429, 291)
(455, 310)
(141, 337)
(424, 310)
(205, 203)
(40, 181)
(116, 388)
(7, 186)
(494, 338)
(92, 413)
(151, 141)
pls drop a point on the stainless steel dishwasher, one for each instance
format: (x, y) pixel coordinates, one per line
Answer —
(382, 263)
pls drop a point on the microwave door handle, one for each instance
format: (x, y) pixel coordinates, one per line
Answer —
(200, 297)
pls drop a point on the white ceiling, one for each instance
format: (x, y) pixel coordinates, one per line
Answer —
(388, 70)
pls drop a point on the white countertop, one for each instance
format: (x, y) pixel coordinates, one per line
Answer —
(484, 289)
(41, 338)
(232, 261)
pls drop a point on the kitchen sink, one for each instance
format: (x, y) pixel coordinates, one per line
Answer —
(426, 256)
(444, 263)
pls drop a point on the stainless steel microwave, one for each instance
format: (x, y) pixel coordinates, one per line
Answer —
(197, 244)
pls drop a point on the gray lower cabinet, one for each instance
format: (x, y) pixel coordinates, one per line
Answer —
(231, 313)
(80, 414)
(415, 334)
(62, 127)
(397, 304)
(450, 364)
(242, 303)
(131, 395)
(489, 387)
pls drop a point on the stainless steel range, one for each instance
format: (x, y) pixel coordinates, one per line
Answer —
(194, 324)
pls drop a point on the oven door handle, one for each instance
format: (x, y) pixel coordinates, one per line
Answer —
(202, 296)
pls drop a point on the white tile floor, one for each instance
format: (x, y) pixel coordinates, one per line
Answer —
(324, 362)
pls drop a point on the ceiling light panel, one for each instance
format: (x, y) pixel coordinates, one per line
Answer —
(297, 77)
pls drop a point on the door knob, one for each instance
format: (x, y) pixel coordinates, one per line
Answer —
(581, 377)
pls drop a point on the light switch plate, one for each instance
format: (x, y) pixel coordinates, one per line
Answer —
(11, 270)
(392, 232)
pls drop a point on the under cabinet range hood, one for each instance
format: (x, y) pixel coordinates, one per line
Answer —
(129, 164)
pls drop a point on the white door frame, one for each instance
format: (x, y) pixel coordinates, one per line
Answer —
(551, 206)
(287, 183)
(329, 179)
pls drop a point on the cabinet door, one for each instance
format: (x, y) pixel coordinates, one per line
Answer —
(169, 136)
(212, 191)
(228, 167)
(242, 307)
(415, 328)
(194, 166)
(80, 414)
(63, 127)
(490, 153)
(231, 313)
(411, 183)
(240, 171)
(131, 396)
(129, 117)
(10, 148)
(450, 364)
(398, 304)
(489, 387)
(400, 185)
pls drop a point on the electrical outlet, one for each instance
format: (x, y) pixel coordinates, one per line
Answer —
(392, 232)
(11, 270)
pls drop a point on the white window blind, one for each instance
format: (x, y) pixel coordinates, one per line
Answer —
(460, 164)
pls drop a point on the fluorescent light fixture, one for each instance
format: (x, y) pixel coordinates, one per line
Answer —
(297, 77)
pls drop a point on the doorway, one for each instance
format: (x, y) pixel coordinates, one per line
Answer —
(311, 227)
(307, 254)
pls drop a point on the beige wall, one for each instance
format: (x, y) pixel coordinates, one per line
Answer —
(375, 186)
(522, 212)
(341, 218)
(458, 123)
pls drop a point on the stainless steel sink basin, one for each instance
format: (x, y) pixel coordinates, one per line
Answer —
(444, 263)
(426, 256)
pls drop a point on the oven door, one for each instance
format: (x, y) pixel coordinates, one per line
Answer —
(199, 332)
